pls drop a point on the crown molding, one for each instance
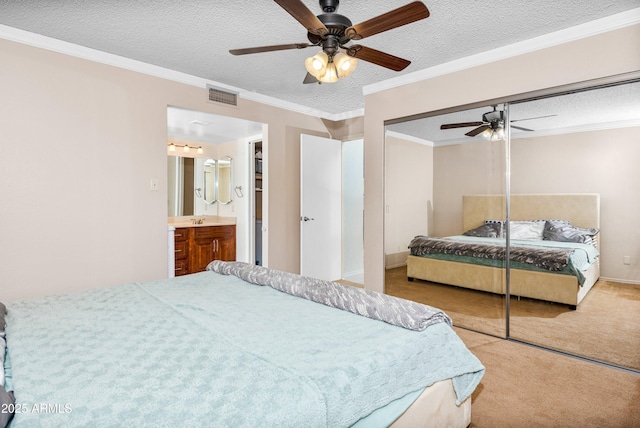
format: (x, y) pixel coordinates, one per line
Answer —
(410, 138)
(588, 29)
(599, 26)
(71, 49)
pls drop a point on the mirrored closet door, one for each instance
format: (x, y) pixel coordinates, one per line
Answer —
(585, 149)
(550, 182)
(438, 171)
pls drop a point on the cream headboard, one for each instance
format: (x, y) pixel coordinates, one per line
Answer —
(581, 209)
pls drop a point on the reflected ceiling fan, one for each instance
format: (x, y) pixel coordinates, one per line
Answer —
(492, 125)
(332, 32)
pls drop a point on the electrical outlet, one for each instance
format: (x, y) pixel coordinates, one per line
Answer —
(626, 260)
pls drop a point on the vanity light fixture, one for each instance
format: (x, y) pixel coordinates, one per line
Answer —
(185, 148)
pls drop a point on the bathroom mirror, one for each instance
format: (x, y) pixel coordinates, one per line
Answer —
(209, 182)
(196, 184)
(224, 180)
(181, 186)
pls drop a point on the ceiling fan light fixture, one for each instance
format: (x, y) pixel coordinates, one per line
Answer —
(331, 74)
(494, 133)
(317, 65)
(344, 64)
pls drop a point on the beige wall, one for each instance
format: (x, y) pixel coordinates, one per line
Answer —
(408, 195)
(603, 162)
(464, 169)
(80, 142)
(616, 52)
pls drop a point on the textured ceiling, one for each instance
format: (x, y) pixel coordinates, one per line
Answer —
(601, 108)
(194, 37)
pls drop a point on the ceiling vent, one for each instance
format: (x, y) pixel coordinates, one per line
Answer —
(218, 95)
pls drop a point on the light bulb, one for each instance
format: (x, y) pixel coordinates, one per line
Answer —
(344, 64)
(200, 150)
(486, 134)
(172, 147)
(316, 65)
(331, 75)
(186, 149)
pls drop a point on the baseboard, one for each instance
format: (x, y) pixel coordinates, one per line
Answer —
(395, 260)
(353, 273)
(622, 281)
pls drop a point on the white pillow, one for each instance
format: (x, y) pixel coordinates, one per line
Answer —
(526, 229)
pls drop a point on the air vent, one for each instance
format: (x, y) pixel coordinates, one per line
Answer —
(217, 95)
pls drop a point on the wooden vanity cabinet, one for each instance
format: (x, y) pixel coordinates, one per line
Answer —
(203, 245)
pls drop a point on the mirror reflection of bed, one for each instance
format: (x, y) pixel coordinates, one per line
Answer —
(553, 252)
(587, 147)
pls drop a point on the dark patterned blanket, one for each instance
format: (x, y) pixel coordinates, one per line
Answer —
(551, 259)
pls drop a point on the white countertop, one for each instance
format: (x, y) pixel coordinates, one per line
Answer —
(188, 221)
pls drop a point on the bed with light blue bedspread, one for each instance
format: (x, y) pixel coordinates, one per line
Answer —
(213, 350)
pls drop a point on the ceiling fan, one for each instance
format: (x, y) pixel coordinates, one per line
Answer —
(492, 124)
(332, 32)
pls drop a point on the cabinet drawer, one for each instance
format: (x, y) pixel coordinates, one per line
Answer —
(181, 250)
(206, 232)
(181, 267)
(181, 234)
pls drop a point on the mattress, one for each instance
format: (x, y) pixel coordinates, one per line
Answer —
(213, 350)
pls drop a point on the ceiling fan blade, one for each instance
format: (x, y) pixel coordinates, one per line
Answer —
(396, 18)
(531, 118)
(377, 57)
(268, 48)
(304, 16)
(521, 128)
(309, 79)
(478, 130)
(460, 125)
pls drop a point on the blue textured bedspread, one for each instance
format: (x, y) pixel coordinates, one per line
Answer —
(212, 350)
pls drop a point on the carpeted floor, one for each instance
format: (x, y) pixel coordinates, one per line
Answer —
(604, 327)
(529, 387)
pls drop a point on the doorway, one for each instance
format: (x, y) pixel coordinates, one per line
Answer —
(332, 209)
(219, 138)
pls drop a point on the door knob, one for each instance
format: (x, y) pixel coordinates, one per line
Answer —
(305, 218)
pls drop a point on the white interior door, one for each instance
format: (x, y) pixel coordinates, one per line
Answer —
(320, 207)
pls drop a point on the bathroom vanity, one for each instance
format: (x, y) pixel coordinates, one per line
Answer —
(196, 245)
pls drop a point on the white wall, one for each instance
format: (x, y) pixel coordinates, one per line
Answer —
(353, 208)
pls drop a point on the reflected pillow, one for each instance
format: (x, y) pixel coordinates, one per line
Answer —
(527, 229)
(563, 231)
(499, 223)
(487, 230)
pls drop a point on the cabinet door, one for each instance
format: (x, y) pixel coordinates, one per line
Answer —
(212, 243)
(203, 249)
(226, 248)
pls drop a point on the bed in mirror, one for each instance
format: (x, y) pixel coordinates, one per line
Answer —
(566, 168)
